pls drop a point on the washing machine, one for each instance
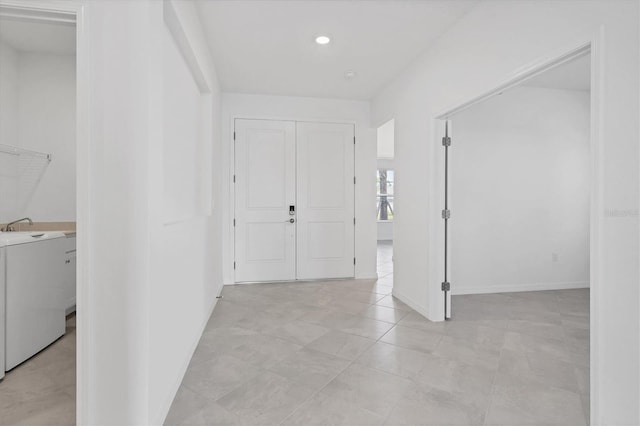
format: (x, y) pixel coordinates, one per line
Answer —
(33, 267)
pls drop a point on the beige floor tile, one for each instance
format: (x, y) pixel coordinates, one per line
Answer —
(469, 382)
(342, 345)
(326, 409)
(212, 414)
(394, 359)
(412, 338)
(418, 407)
(298, 331)
(57, 409)
(266, 399)
(537, 329)
(184, 405)
(517, 369)
(310, 368)
(368, 388)
(366, 327)
(471, 353)
(531, 344)
(219, 376)
(534, 405)
(392, 302)
(348, 353)
(382, 313)
(42, 389)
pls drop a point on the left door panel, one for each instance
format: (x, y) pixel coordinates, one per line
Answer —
(265, 232)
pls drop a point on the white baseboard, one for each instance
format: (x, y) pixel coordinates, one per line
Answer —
(367, 277)
(359, 277)
(514, 288)
(415, 306)
(185, 365)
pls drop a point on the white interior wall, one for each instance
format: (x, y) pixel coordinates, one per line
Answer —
(8, 130)
(386, 140)
(308, 109)
(113, 213)
(37, 112)
(8, 95)
(183, 183)
(186, 253)
(147, 286)
(47, 123)
(440, 79)
(519, 187)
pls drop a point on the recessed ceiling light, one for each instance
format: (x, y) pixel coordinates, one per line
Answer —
(323, 39)
(350, 75)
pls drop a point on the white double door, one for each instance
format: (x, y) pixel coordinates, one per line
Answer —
(294, 200)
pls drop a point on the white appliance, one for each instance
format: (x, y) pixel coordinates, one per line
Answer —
(2, 305)
(34, 278)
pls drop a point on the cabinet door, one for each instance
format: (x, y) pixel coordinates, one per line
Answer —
(70, 275)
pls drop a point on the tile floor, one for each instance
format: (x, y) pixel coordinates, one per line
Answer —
(42, 390)
(348, 353)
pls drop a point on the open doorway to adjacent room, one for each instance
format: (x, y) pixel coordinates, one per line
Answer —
(517, 237)
(38, 126)
(385, 183)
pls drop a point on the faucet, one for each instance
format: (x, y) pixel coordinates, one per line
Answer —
(8, 228)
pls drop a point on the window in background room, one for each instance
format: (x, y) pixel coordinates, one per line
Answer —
(384, 186)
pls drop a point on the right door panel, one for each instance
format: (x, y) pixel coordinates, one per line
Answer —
(325, 192)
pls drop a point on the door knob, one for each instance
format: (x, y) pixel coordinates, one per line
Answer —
(292, 220)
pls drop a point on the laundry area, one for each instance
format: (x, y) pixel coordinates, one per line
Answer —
(37, 219)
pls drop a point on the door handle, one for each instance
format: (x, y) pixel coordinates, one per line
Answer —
(292, 220)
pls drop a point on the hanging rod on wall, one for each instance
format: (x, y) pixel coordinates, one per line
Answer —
(14, 150)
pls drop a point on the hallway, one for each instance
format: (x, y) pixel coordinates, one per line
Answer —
(385, 262)
(347, 352)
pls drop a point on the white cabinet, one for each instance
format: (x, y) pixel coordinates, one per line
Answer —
(69, 289)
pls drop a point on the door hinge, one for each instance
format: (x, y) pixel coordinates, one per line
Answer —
(354, 260)
(234, 178)
(234, 222)
(354, 180)
(446, 214)
(234, 136)
(354, 140)
(446, 141)
(234, 265)
(354, 220)
(446, 286)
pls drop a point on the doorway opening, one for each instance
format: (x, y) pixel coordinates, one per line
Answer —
(385, 197)
(518, 237)
(38, 183)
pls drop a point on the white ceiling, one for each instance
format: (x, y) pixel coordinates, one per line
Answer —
(267, 46)
(38, 36)
(573, 75)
